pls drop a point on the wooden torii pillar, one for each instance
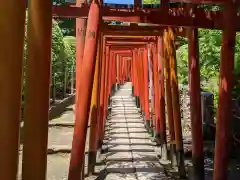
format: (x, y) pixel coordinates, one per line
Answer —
(12, 21)
(37, 90)
(81, 25)
(160, 51)
(85, 87)
(224, 112)
(173, 99)
(102, 90)
(195, 103)
(95, 108)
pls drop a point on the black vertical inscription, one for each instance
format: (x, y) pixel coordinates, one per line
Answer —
(81, 31)
(91, 34)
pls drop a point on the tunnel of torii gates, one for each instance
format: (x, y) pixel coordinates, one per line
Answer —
(108, 55)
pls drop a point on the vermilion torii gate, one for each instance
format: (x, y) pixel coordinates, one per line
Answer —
(93, 89)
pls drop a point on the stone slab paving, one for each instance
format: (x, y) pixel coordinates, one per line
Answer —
(129, 152)
(128, 149)
(60, 135)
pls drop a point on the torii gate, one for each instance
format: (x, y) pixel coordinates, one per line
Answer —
(12, 20)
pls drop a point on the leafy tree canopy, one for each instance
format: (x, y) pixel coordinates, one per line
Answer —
(63, 56)
(151, 2)
(209, 61)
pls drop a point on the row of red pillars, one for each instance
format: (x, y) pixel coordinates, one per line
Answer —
(37, 95)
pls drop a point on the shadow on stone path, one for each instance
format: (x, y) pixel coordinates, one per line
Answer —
(128, 150)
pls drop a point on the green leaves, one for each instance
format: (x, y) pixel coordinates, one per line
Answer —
(67, 25)
(209, 60)
(63, 58)
(151, 2)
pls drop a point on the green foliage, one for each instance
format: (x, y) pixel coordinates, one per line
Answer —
(58, 57)
(151, 2)
(70, 51)
(208, 7)
(181, 40)
(59, 2)
(71, 40)
(209, 61)
(67, 25)
(63, 58)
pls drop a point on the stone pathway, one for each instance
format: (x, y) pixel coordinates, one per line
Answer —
(60, 136)
(129, 153)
